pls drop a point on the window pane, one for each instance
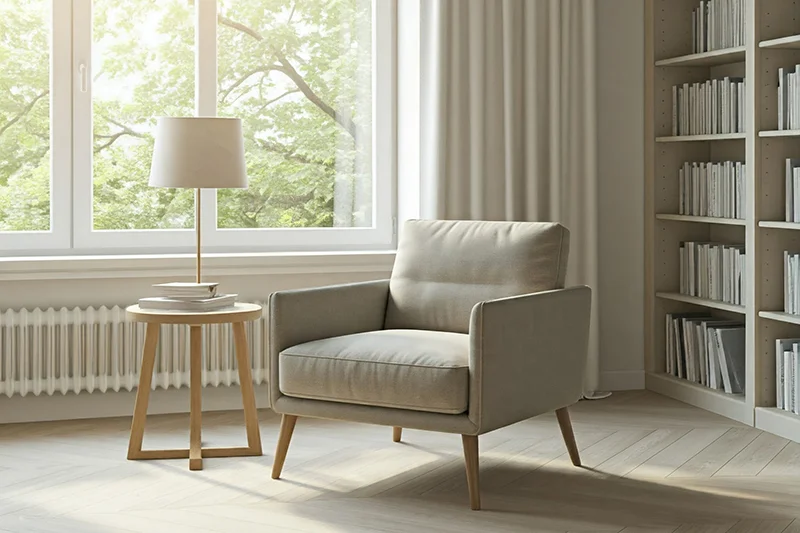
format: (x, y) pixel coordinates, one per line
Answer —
(142, 68)
(25, 115)
(299, 75)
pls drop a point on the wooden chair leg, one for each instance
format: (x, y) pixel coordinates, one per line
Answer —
(285, 437)
(397, 433)
(569, 437)
(470, 443)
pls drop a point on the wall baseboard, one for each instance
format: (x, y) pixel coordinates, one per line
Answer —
(616, 380)
(112, 404)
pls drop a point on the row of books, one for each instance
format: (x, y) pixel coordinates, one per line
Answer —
(706, 350)
(787, 374)
(179, 296)
(713, 271)
(712, 189)
(789, 98)
(792, 190)
(718, 24)
(710, 107)
(791, 283)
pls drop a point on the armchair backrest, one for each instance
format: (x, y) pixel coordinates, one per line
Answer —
(444, 267)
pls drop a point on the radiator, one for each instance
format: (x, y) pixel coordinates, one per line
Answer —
(98, 349)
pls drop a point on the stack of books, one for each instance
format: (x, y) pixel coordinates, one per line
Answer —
(713, 271)
(718, 24)
(710, 107)
(179, 296)
(791, 282)
(712, 189)
(706, 350)
(789, 98)
(787, 374)
(792, 190)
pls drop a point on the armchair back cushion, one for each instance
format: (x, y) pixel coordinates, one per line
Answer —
(444, 267)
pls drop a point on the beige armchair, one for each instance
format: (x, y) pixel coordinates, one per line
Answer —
(473, 332)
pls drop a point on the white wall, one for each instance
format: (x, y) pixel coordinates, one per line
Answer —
(620, 93)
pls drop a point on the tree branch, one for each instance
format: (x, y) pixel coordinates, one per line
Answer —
(25, 111)
(288, 153)
(113, 137)
(244, 78)
(288, 69)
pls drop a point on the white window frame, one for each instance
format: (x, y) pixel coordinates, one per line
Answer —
(59, 235)
(72, 149)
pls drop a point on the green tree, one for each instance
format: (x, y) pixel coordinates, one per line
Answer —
(298, 73)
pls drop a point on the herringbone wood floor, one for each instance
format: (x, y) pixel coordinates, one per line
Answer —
(651, 464)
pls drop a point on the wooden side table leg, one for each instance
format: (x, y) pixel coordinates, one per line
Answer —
(246, 384)
(143, 392)
(195, 409)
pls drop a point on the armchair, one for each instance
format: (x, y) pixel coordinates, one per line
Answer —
(473, 332)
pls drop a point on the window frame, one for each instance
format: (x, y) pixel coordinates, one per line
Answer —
(72, 149)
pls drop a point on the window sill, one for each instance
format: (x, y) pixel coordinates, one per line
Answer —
(182, 265)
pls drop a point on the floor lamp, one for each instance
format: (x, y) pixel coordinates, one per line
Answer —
(198, 153)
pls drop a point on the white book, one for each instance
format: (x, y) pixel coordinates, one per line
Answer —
(789, 191)
(796, 190)
(740, 109)
(186, 289)
(788, 355)
(796, 375)
(170, 304)
(779, 373)
(796, 98)
(795, 263)
(669, 356)
(786, 274)
(781, 100)
(788, 396)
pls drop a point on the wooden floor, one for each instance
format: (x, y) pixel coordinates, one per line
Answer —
(651, 464)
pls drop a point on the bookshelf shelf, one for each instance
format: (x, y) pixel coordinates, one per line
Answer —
(702, 220)
(731, 405)
(779, 133)
(777, 421)
(706, 59)
(780, 316)
(790, 42)
(711, 304)
(696, 138)
(778, 224)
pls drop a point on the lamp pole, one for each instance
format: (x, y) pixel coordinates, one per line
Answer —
(197, 224)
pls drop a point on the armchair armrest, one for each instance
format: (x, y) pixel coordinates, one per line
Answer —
(527, 355)
(305, 315)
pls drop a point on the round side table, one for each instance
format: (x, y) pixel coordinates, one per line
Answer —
(236, 315)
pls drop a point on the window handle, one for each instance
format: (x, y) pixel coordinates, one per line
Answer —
(84, 77)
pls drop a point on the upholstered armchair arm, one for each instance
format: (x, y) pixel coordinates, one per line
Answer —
(305, 315)
(527, 355)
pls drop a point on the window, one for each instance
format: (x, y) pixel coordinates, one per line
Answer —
(83, 85)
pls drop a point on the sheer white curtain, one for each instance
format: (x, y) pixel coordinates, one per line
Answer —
(507, 122)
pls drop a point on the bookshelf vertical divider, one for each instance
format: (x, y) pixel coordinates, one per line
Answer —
(772, 33)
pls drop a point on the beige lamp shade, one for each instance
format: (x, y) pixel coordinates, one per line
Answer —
(199, 153)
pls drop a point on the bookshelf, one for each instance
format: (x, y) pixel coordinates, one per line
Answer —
(772, 41)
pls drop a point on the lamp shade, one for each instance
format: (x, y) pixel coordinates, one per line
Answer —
(198, 153)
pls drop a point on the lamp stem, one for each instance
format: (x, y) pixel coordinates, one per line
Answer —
(197, 223)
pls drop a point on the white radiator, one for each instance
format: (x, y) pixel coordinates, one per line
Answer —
(97, 349)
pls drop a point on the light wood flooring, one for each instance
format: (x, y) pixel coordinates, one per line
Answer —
(651, 464)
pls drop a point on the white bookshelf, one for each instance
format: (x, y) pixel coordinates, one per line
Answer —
(702, 220)
(772, 41)
(705, 59)
(700, 138)
(790, 42)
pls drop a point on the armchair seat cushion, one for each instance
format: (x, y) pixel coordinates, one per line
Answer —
(401, 368)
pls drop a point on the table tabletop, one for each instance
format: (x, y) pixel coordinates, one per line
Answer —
(239, 312)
